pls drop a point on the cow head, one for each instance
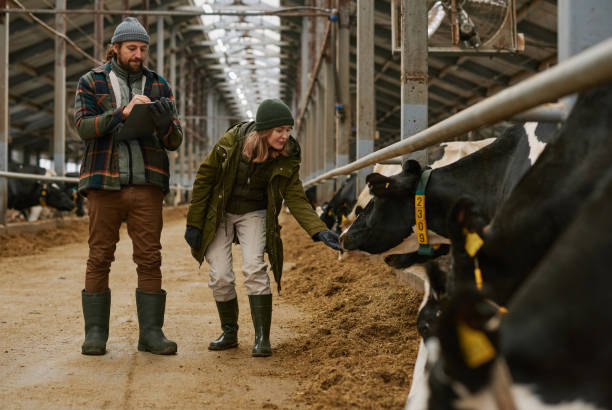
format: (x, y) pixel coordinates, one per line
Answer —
(54, 196)
(389, 216)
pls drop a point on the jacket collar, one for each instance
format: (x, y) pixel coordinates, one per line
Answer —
(106, 69)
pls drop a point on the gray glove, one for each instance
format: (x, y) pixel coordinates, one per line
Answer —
(193, 236)
(329, 238)
(162, 115)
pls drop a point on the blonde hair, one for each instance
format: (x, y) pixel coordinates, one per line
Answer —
(257, 149)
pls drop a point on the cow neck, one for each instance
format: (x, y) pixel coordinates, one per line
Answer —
(419, 214)
(473, 243)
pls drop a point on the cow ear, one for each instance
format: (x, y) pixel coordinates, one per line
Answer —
(376, 178)
(380, 185)
(469, 345)
(411, 167)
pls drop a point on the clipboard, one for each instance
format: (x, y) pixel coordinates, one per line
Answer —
(139, 124)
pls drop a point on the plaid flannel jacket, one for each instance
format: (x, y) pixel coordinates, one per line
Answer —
(97, 119)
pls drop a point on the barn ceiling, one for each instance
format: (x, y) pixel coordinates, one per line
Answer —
(455, 82)
(263, 55)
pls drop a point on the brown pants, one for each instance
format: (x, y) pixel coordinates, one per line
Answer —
(141, 207)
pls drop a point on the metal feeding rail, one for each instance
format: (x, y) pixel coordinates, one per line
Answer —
(587, 69)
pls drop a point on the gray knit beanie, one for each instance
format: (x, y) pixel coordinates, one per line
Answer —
(130, 29)
(272, 113)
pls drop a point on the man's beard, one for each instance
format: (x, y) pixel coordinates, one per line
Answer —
(126, 65)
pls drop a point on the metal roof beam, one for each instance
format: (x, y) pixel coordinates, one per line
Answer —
(237, 26)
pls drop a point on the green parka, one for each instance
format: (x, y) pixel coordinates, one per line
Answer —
(213, 187)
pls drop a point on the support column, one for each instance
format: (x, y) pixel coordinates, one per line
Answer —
(328, 102)
(309, 145)
(581, 24)
(145, 18)
(203, 122)
(191, 134)
(172, 156)
(320, 133)
(313, 140)
(182, 102)
(126, 6)
(319, 107)
(304, 144)
(196, 122)
(4, 104)
(343, 77)
(210, 120)
(59, 103)
(366, 107)
(414, 72)
(99, 31)
(159, 57)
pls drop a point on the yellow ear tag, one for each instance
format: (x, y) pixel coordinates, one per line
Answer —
(478, 278)
(329, 212)
(386, 185)
(343, 221)
(473, 242)
(475, 346)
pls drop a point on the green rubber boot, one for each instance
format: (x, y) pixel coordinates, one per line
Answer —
(96, 311)
(228, 313)
(151, 308)
(261, 312)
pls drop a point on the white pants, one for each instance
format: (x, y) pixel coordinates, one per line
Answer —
(251, 231)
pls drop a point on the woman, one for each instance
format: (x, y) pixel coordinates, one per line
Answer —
(238, 193)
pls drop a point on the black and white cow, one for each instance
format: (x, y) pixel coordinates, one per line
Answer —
(339, 206)
(551, 350)
(528, 225)
(543, 204)
(489, 175)
(25, 193)
(72, 189)
(443, 154)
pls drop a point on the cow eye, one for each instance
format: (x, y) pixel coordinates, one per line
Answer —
(358, 210)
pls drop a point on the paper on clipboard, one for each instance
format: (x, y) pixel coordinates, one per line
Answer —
(138, 124)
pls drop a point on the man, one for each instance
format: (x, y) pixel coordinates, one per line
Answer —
(125, 180)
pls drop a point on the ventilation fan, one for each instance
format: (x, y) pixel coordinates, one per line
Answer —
(466, 27)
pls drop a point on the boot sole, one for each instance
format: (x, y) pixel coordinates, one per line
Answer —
(93, 352)
(232, 346)
(142, 348)
(261, 354)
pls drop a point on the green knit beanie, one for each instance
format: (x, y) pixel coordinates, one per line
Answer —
(272, 113)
